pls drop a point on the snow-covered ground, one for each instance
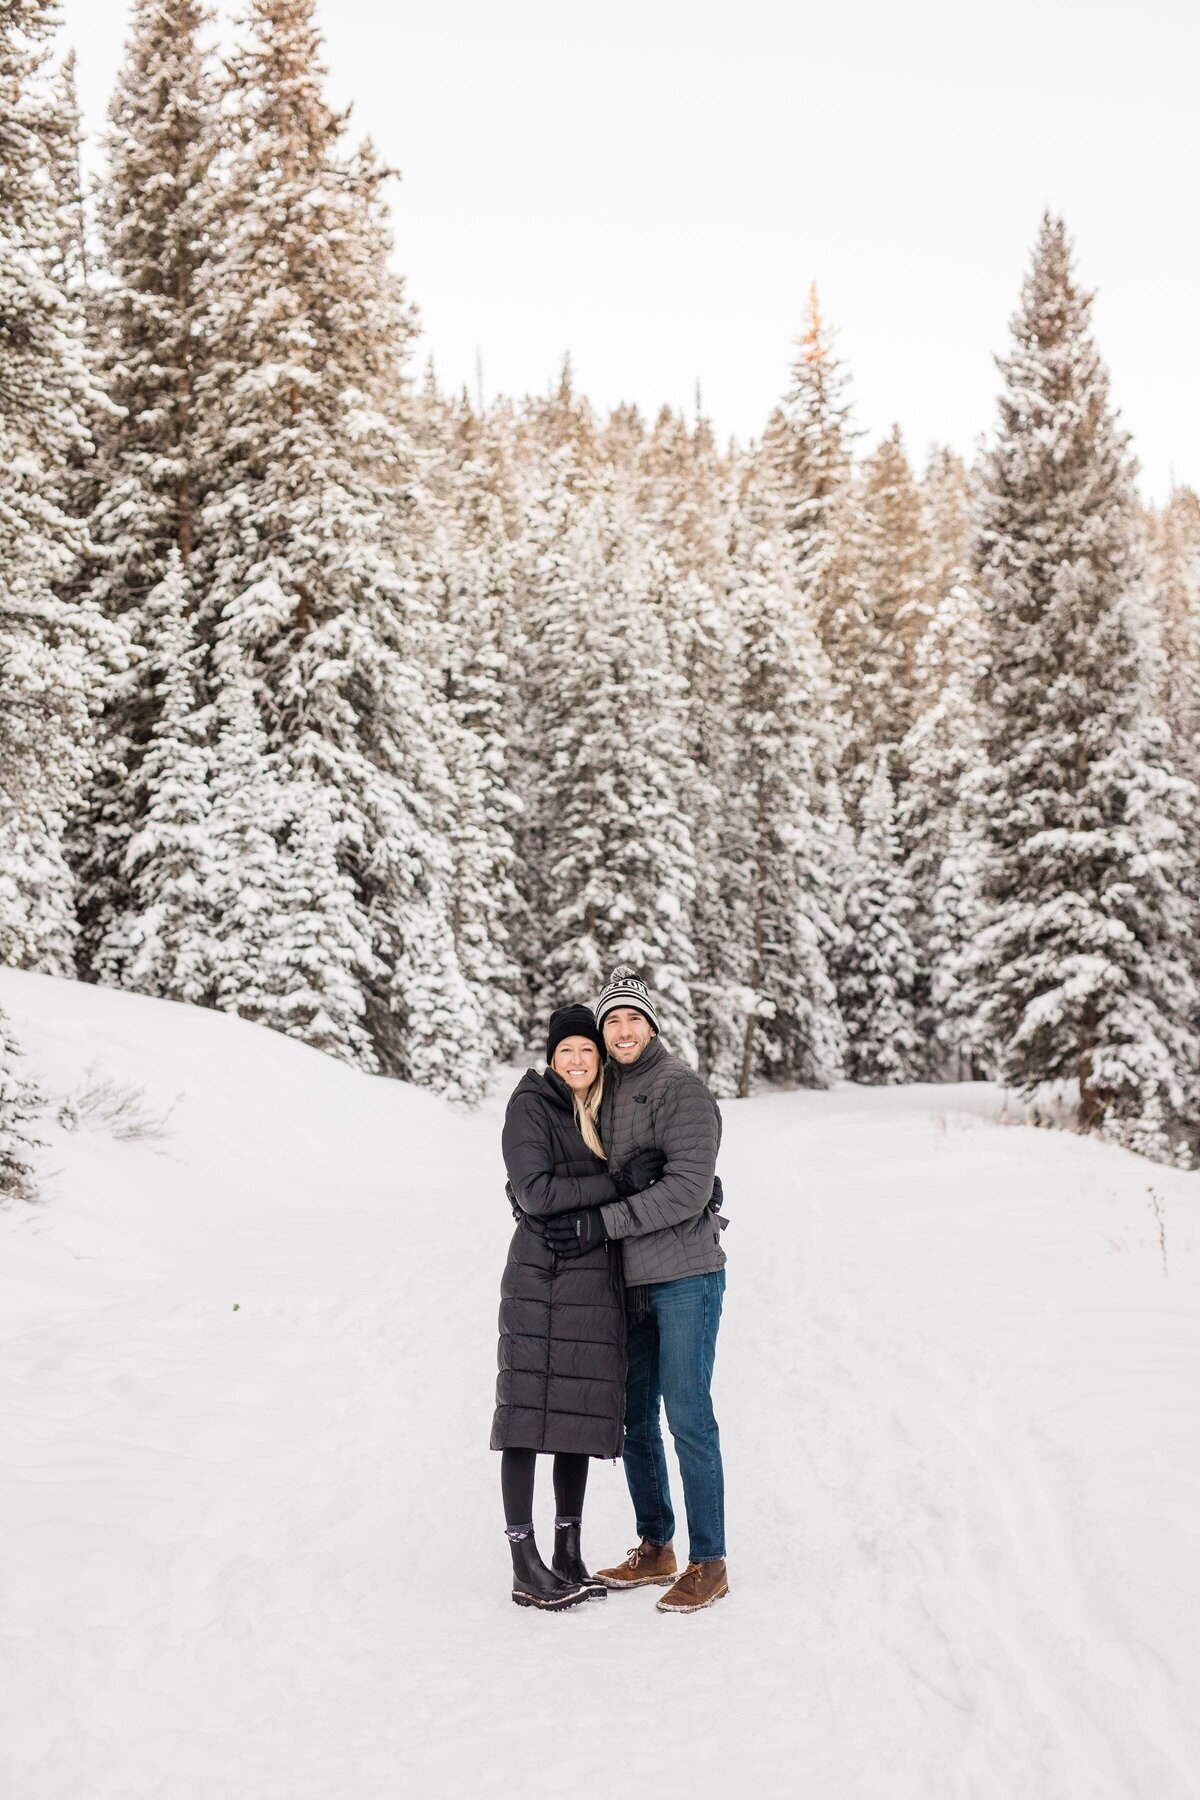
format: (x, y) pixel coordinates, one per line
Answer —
(250, 1540)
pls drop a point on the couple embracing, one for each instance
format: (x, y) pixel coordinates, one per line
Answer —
(611, 1300)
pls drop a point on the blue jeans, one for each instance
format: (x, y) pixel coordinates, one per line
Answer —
(671, 1356)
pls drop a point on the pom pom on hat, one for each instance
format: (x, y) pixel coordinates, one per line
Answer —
(625, 987)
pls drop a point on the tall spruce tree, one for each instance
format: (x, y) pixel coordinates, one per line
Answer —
(308, 581)
(940, 829)
(160, 144)
(1175, 576)
(875, 962)
(792, 1029)
(165, 943)
(896, 577)
(50, 645)
(468, 562)
(688, 493)
(620, 862)
(1082, 968)
(808, 444)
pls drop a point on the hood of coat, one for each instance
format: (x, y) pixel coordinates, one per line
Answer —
(549, 1086)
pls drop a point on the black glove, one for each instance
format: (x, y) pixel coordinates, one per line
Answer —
(575, 1233)
(716, 1199)
(517, 1214)
(641, 1171)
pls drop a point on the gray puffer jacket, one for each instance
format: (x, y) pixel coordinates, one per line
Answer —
(665, 1232)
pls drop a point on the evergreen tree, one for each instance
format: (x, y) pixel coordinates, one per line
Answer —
(875, 962)
(620, 865)
(319, 966)
(1081, 971)
(71, 267)
(165, 944)
(49, 645)
(470, 564)
(1176, 593)
(159, 145)
(895, 572)
(247, 884)
(308, 583)
(940, 829)
(688, 498)
(792, 1028)
(808, 443)
(555, 478)
(20, 1104)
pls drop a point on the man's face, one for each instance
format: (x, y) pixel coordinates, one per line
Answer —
(626, 1033)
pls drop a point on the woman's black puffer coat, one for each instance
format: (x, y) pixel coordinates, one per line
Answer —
(561, 1384)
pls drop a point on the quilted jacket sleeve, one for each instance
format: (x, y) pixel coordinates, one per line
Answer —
(528, 1149)
(687, 1130)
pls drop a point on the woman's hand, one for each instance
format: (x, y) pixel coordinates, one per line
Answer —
(575, 1233)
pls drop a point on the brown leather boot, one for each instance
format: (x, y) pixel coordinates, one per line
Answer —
(698, 1586)
(648, 1565)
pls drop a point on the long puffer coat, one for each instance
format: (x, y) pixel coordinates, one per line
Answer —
(561, 1384)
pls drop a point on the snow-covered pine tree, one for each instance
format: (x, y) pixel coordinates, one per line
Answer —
(896, 577)
(946, 490)
(159, 149)
(1175, 578)
(1082, 970)
(307, 468)
(71, 268)
(790, 1027)
(468, 562)
(20, 1104)
(164, 943)
(875, 963)
(1175, 588)
(319, 967)
(940, 830)
(808, 444)
(688, 493)
(49, 645)
(619, 860)
(292, 946)
(555, 476)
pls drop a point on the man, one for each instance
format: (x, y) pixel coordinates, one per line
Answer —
(670, 1239)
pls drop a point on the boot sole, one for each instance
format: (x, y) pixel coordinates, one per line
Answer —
(642, 1581)
(662, 1607)
(557, 1605)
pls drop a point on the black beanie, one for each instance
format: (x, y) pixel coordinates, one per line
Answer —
(572, 1021)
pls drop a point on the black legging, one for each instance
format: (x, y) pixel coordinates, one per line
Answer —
(517, 1469)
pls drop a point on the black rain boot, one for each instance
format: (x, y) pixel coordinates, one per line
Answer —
(536, 1585)
(568, 1562)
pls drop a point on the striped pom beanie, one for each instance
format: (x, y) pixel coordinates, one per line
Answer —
(625, 987)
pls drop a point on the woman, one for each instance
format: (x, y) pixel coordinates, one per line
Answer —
(561, 1386)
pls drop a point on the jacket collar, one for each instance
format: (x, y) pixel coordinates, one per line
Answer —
(653, 1053)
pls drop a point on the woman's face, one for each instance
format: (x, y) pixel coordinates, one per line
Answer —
(578, 1062)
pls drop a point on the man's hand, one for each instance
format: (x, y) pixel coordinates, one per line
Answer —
(641, 1171)
(574, 1233)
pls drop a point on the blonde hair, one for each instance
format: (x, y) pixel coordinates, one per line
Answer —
(587, 1112)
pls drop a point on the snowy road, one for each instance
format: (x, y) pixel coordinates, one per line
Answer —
(249, 1529)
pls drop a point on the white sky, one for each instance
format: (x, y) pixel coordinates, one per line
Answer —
(652, 187)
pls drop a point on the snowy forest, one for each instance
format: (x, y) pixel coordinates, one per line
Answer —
(389, 719)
